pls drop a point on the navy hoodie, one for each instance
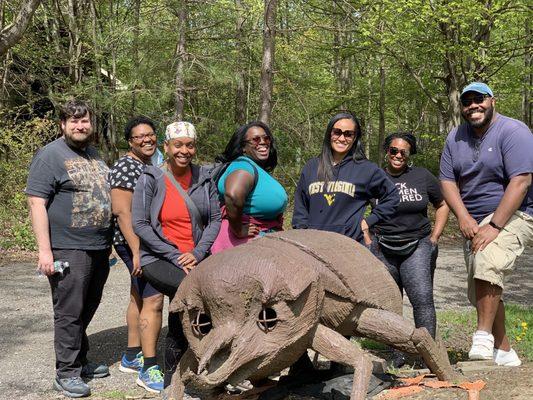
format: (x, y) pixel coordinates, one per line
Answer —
(339, 206)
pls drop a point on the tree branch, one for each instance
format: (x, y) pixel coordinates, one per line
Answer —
(11, 34)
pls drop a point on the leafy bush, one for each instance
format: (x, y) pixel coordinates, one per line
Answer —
(20, 138)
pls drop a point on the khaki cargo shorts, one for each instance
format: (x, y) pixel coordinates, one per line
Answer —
(498, 258)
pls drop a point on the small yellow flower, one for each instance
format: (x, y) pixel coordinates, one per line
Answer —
(518, 338)
(524, 325)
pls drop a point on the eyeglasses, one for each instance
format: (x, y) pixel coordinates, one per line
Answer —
(140, 138)
(478, 99)
(337, 133)
(257, 140)
(394, 150)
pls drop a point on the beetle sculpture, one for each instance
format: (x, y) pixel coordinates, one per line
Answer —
(253, 310)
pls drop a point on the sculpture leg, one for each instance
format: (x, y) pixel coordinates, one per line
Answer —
(336, 347)
(186, 365)
(394, 330)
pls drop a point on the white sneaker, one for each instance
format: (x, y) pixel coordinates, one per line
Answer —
(506, 358)
(482, 346)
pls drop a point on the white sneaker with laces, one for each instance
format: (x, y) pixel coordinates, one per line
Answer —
(482, 346)
(506, 358)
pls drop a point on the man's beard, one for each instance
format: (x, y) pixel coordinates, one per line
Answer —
(80, 144)
(487, 118)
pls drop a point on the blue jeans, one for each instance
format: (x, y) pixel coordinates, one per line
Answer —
(414, 273)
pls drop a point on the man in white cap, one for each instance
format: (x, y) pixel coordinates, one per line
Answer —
(485, 173)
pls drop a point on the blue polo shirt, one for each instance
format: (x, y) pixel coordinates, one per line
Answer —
(482, 167)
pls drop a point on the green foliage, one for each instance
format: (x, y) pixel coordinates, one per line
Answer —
(327, 57)
(20, 137)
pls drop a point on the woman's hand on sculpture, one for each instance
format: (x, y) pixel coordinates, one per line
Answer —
(247, 230)
(367, 238)
(187, 261)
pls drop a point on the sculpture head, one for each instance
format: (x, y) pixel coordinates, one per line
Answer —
(249, 311)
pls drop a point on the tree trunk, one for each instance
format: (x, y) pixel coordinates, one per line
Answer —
(341, 63)
(74, 47)
(369, 128)
(528, 77)
(136, 69)
(381, 134)
(240, 63)
(267, 66)
(12, 33)
(181, 56)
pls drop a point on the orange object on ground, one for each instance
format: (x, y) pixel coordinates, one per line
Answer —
(415, 385)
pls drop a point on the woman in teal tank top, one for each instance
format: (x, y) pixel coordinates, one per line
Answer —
(253, 200)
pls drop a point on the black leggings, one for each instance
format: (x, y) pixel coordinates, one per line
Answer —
(414, 273)
(166, 277)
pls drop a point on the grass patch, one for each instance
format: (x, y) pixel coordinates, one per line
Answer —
(115, 394)
(369, 344)
(457, 326)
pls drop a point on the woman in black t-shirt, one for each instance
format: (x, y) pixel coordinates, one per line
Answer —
(406, 244)
(144, 313)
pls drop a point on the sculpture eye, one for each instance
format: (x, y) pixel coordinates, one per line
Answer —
(267, 319)
(201, 325)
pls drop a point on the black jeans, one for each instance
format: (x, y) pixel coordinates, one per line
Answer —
(414, 273)
(75, 297)
(166, 277)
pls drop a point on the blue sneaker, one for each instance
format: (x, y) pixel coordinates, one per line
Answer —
(152, 379)
(134, 366)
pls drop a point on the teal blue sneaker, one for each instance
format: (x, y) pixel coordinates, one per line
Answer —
(152, 379)
(132, 367)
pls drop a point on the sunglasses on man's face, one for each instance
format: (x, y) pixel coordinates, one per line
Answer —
(337, 133)
(394, 150)
(477, 99)
(257, 140)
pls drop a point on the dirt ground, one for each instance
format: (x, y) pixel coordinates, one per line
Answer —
(26, 341)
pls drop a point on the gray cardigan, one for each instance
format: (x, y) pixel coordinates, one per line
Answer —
(147, 202)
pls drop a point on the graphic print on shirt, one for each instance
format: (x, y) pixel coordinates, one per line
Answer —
(408, 194)
(331, 189)
(91, 203)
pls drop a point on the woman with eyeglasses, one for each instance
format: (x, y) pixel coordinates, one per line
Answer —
(146, 302)
(175, 213)
(253, 201)
(336, 187)
(406, 243)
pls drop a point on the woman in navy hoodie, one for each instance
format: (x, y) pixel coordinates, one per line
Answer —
(336, 187)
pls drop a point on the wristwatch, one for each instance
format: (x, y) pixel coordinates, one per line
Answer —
(495, 226)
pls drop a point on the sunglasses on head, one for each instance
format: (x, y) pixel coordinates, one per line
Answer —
(257, 140)
(477, 99)
(394, 150)
(337, 133)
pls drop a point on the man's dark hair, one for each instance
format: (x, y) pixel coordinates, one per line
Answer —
(135, 121)
(407, 136)
(325, 160)
(74, 109)
(236, 143)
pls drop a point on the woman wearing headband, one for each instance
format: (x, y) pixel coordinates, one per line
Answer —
(177, 217)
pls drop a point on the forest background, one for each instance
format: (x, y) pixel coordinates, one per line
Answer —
(397, 64)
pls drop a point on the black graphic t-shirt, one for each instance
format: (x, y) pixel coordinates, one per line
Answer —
(74, 182)
(124, 175)
(417, 187)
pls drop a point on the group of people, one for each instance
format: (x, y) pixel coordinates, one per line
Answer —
(169, 217)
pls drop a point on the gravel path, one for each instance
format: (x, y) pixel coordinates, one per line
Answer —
(26, 342)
